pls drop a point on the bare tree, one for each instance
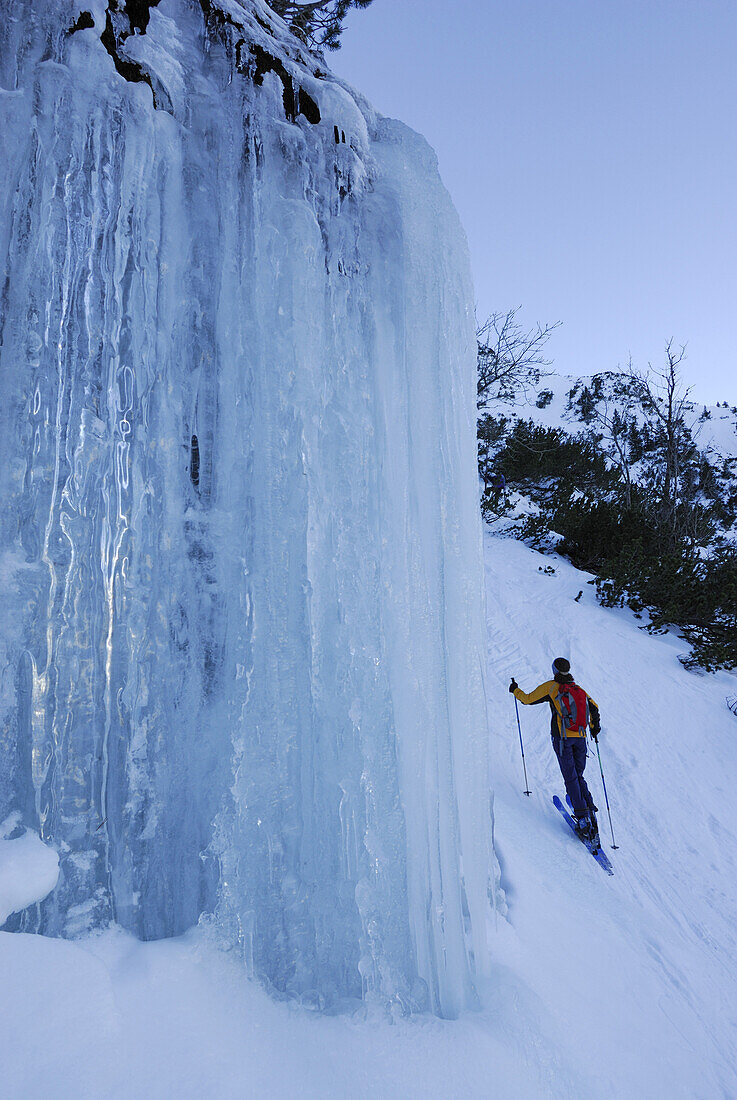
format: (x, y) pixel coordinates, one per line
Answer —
(507, 352)
(664, 395)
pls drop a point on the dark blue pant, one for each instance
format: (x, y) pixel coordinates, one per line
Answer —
(571, 753)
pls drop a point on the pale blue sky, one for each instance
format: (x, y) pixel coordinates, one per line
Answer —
(590, 147)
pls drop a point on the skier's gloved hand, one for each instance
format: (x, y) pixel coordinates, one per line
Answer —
(595, 733)
(513, 686)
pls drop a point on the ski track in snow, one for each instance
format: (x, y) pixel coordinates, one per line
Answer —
(603, 988)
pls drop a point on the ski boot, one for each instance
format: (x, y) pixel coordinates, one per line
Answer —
(587, 829)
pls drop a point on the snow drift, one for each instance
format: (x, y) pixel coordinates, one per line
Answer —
(28, 869)
(242, 592)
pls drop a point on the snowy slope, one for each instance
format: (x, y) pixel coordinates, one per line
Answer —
(639, 966)
(600, 988)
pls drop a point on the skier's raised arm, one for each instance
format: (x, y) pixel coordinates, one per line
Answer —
(539, 695)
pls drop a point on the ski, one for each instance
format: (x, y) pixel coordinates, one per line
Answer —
(597, 853)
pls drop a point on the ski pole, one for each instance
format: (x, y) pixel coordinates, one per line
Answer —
(522, 747)
(606, 796)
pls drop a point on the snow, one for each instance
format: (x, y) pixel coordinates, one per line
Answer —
(599, 987)
(641, 960)
(110, 1016)
(28, 870)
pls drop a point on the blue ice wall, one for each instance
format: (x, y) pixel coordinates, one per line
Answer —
(242, 615)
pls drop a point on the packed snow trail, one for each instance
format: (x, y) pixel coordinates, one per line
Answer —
(639, 966)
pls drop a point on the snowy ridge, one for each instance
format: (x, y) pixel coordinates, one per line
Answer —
(714, 427)
(551, 399)
(242, 624)
(586, 406)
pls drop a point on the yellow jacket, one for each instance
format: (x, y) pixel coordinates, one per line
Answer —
(548, 693)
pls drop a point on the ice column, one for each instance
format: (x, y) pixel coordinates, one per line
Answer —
(242, 622)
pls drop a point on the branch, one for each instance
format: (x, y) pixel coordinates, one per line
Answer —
(506, 350)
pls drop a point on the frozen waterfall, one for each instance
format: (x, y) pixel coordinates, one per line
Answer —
(242, 636)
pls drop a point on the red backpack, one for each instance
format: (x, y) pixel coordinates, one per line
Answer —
(574, 707)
